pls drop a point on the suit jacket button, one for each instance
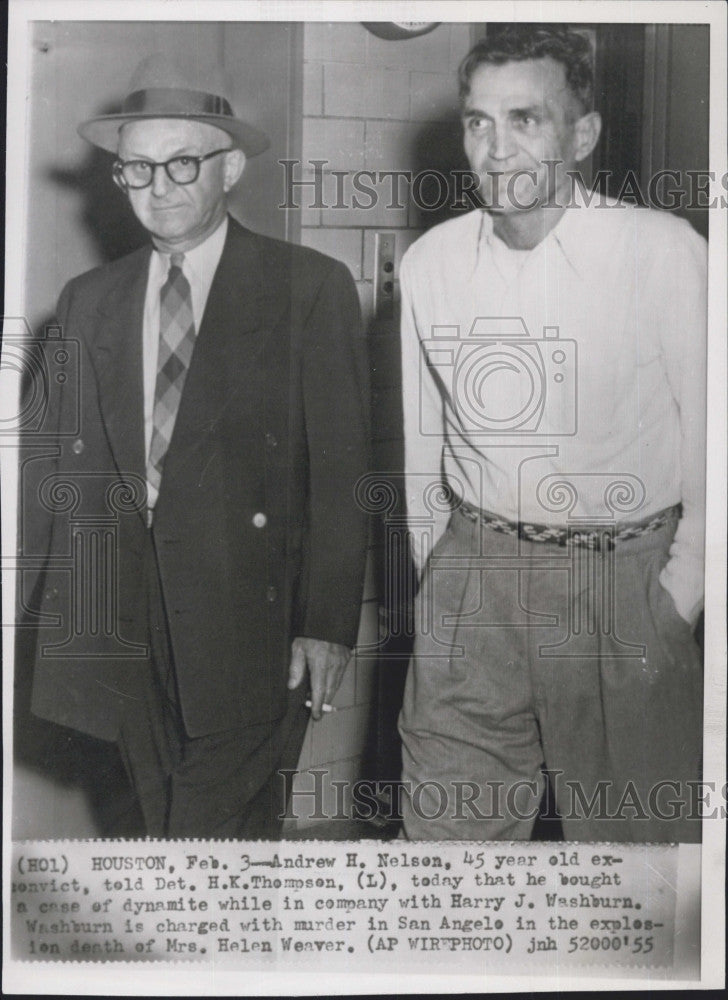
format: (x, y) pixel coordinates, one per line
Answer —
(260, 520)
(271, 593)
(78, 446)
(271, 440)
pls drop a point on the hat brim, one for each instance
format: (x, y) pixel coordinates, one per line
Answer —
(103, 131)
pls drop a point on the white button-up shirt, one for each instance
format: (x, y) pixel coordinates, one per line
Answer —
(199, 268)
(605, 384)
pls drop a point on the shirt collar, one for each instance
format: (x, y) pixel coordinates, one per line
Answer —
(201, 261)
(570, 234)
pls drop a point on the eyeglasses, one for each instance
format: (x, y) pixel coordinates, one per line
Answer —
(180, 169)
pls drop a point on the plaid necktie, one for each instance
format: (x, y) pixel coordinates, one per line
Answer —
(176, 341)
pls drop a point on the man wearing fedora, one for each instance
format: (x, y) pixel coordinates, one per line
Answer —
(222, 431)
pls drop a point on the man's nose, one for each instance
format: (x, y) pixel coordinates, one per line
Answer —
(501, 145)
(160, 181)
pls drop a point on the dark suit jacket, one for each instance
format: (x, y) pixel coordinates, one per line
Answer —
(258, 534)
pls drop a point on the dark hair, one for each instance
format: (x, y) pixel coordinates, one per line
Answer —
(518, 42)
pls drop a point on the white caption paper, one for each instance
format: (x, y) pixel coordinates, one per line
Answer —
(508, 907)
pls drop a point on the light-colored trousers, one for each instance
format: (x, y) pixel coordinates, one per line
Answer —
(531, 655)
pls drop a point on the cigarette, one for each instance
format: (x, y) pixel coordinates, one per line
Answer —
(324, 707)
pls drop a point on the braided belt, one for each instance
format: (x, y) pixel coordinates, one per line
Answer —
(605, 537)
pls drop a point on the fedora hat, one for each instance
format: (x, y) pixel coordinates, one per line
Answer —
(160, 88)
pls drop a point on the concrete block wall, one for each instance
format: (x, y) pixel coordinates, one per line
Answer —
(375, 105)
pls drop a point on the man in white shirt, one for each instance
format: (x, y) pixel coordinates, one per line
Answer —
(553, 350)
(218, 547)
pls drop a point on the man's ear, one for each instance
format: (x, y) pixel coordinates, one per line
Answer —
(234, 164)
(587, 130)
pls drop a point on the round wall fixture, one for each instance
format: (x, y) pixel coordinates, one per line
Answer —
(395, 31)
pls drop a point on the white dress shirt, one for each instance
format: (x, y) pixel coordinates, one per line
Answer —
(615, 394)
(199, 268)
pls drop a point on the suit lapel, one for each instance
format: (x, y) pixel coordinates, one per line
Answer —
(244, 300)
(117, 358)
(242, 307)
